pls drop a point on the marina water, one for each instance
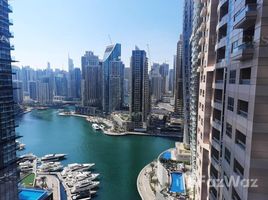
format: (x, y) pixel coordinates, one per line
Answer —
(118, 159)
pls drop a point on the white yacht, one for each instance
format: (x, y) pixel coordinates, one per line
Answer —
(80, 179)
(25, 168)
(82, 186)
(50, 157)
(51, 167)
(26, 163)
(26, 157)
(96, 127)
(102, 127)
(79, 167)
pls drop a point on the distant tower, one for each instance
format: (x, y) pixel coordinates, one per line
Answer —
(139, 96)
(91, 79)
(71, 78)
(178, 87)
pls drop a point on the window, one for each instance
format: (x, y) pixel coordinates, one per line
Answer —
(232, 77)
(234, 46)
(229, 130)
(240, 139)
(235, 196)
(227, 155)
(245, 76)
(242, 108)
(238, 169)
(216, 135)
(230, 104)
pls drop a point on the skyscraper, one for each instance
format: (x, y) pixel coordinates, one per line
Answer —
(139, 97)
(232, 116)
(186, 65)
(113, 79)
(8, 160)
(178, 87)
(33, 90)
(77, 83)
(91, 79)
(71, 79)
(163, 70)
(156, 81)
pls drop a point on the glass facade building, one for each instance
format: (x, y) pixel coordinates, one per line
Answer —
(113, 79)
(8, 160)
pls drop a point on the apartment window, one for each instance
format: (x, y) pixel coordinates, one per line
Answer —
(229, 130)
(218, 96)
(232, 76)
(240, 139)
(238, 169)
(230, 104)
(242, 108)
(219, 76)
(217, 116)
(235, 196)
(245, 76)
(215, 154)
(216, 135)
(213, 172)
(227, 155)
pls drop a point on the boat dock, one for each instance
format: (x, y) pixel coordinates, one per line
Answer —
(66, 188)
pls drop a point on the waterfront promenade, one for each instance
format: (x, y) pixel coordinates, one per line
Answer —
(143, 183)
(111, 133)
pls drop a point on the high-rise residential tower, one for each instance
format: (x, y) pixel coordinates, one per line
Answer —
(71, 79)
(113, 79)
(233, 100)
(186, 65)
(91, 79)
(139, 94)
(8, 160)
(178, 86)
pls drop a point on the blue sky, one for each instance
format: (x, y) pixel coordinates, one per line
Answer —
(47, 30)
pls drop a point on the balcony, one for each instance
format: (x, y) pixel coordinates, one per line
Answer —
(246, 18)
(221, 3)
(221, 43)
(243, 52)
(222, 22)
(10, 9)
(10, 22)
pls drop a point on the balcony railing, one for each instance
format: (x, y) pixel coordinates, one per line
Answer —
(241, 144)
(244, 81)
(218, 100)
(218, 81)
(242, 113)
(246, 17)
(243, 51)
